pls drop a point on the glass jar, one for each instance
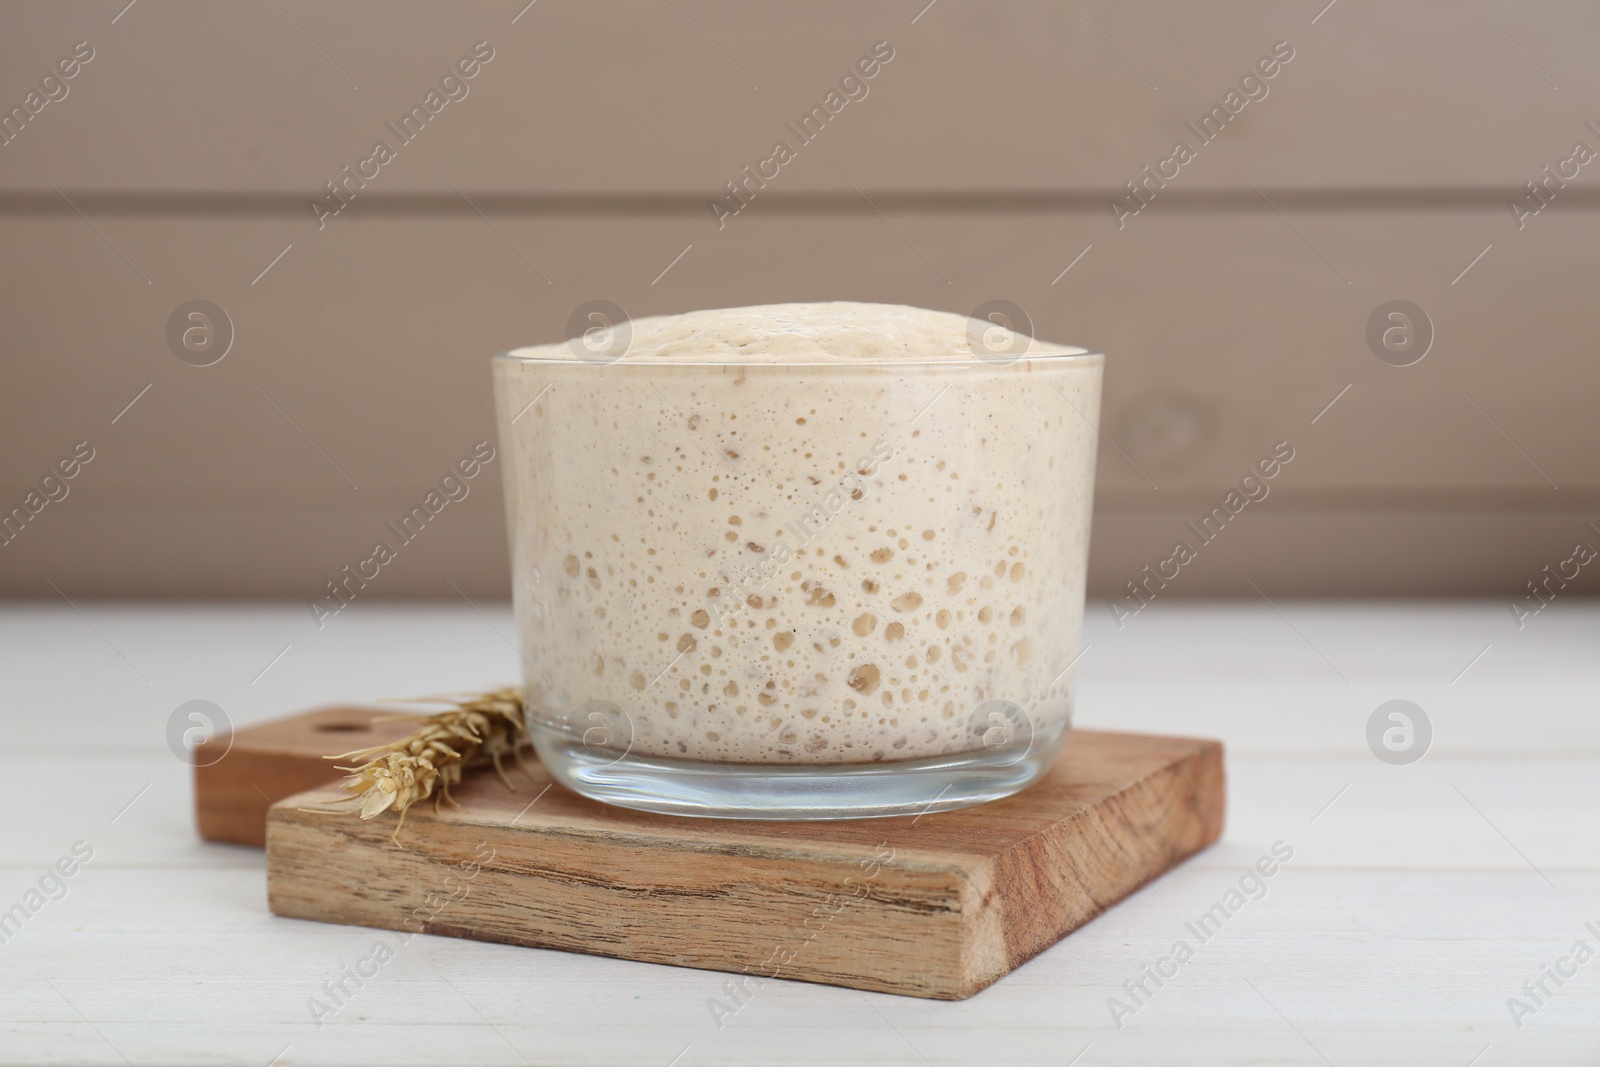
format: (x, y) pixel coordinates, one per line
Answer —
(798, 590)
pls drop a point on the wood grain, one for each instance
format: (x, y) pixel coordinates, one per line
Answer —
(936, 906)
(265, 763)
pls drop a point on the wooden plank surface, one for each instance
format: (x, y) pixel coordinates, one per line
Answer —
(1192, 396)
(1407, 917)
(1262, 336)
(1024, 95)
(939, 905)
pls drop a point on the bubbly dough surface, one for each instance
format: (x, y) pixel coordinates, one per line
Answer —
(803, 333)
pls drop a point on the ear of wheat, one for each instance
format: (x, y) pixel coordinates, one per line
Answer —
(428, 761)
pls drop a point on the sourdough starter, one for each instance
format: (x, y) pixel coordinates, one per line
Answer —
(800, 533)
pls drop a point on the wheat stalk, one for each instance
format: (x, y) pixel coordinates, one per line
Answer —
(399, 774)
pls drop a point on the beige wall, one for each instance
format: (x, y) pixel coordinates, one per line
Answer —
(1233, 308)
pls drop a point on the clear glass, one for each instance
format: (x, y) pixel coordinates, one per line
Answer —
(798, 591)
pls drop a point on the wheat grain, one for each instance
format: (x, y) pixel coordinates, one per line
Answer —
(429, 760)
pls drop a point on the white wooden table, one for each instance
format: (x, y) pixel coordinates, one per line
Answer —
(1418, 901)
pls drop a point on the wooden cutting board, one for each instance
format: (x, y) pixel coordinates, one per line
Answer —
(931, 906)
